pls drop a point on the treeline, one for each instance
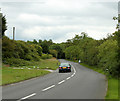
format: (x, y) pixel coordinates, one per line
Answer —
(48, 47)
(100, 53)
(18, 53)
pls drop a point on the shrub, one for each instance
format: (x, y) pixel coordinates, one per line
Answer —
(46, 56)
(8, 47)
(107, 56)
(35, 57)
(16, 62)
(28, 57)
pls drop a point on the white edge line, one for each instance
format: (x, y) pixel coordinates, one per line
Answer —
(61, 81)
(27, 96)
(48, 88)
(74, 69)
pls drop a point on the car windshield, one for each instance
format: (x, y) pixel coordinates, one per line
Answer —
(64, 64)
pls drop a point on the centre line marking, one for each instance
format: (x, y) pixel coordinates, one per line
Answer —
(48, 88)
(27, 96)
(68, 78)
(72, 75)
(61, 81)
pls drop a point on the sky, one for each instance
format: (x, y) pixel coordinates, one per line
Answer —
(59, 20)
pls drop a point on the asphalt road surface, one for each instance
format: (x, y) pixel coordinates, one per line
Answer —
(80, 83)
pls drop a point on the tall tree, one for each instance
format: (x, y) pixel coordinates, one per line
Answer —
(4, 26)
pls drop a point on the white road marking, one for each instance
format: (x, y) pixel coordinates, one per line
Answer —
(68, 78)
(72, 75)
(61, 81)
(27, 96)
(48, 88)
(74, 69)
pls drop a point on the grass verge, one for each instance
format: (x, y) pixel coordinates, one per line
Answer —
(10, 75)
(17, 74)
(112, 91)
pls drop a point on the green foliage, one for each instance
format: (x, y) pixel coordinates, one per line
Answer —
(39, 49)
(59, 51)
(45, 47)
(16, 62)
(8, 47)
(72, 52)
(100, 53)
(35, 42)
(53, 52)
(108, 56)
(4, 26)
(46, 56)
(19, 50)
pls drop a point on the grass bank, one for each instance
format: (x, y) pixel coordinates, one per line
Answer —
(16, 74)
(112, 90)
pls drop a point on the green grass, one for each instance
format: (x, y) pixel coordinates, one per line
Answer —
(112, 91)
(47, 64)
(16, 74)
(10, 75)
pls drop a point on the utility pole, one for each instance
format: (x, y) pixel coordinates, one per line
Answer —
(13, 33)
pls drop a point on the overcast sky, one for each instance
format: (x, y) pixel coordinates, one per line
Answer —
(59, 20)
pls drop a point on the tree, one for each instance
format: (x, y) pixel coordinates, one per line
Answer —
(108, 56)
(53, 52)
(40, 41)
(45, 47)
(35, 42)
(4, 26)
(59, 50)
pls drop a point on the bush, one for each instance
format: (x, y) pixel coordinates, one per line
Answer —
(35, 57)
(28, 57)
(20, 50)
(107, 56)
(46, 56)
(16, 62)
(8, 47)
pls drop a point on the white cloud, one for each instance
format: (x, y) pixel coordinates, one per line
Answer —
(60, 19)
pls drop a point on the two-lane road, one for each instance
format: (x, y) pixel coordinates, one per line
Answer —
(81, 83)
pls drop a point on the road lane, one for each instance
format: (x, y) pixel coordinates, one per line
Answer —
(81, 83)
